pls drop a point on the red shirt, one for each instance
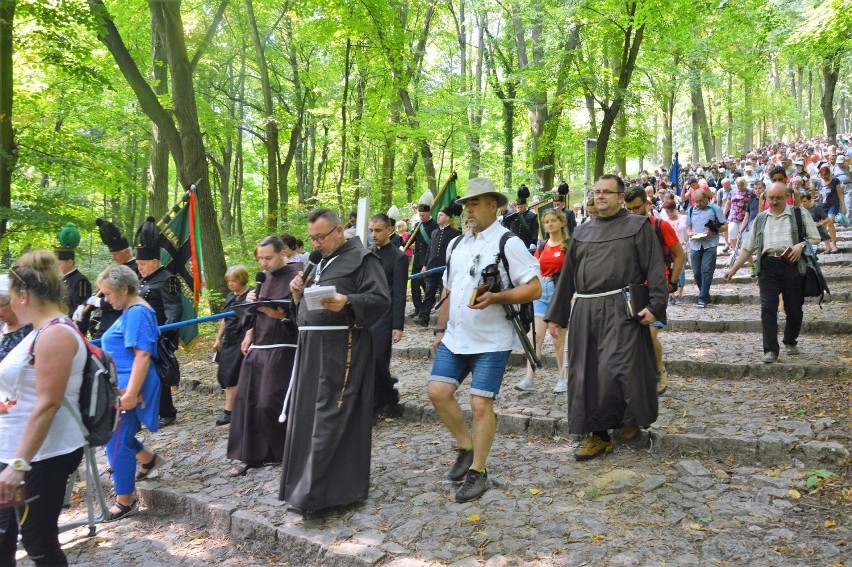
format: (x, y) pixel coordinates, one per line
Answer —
(550, 258)
(670, 238)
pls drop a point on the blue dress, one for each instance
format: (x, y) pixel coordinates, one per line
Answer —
(136, 328)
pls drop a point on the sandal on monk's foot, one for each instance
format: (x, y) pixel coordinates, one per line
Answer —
(123, 511)
(238, 470)
(145, 469)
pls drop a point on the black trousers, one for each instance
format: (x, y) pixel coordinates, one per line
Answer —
(777, 276)
(384, 393)
(432, 289)
(418, 287)
(167, 405)
(45, 491)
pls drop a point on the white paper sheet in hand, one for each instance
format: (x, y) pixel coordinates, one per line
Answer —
(313, 295)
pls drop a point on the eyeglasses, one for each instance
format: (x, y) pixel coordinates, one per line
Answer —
(319, 239)
(474, 265)
(605, 193)
(635, 209)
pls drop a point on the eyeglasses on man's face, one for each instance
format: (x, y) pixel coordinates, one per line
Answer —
(320, 238)
(605, 193)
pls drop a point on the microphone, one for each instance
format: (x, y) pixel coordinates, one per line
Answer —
(259, 278)
(314, 259)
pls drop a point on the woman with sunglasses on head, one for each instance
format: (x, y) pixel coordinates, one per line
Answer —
(41, 443)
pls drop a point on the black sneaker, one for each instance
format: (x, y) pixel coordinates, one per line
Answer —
(463, 462)
(475, 483)
(224, 419)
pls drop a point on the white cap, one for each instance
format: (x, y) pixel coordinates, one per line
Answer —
(841, 158)
(4, 284)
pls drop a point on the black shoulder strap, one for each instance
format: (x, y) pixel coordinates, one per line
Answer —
(797, 212)
(506, 236)
(450, 253)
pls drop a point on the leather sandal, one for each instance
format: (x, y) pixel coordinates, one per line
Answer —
(146, 469)
(123, 511)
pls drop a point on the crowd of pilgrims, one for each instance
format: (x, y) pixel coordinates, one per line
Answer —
(254, 348)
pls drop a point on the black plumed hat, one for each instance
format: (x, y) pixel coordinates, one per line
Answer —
(147, 240)
(452, 210)
(111, 236)
(523, 194)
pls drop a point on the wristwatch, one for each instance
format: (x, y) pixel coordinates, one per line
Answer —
(21, 465)
(436, 331)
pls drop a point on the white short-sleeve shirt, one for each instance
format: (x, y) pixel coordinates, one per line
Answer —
(474, 331)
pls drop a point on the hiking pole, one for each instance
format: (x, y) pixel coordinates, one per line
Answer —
(179, 324)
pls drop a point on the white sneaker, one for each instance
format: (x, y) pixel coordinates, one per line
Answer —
(561, 387)
(526, 384)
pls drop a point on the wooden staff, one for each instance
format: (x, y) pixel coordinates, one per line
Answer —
(410, 240)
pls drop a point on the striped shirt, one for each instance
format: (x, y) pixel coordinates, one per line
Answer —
(777, 233)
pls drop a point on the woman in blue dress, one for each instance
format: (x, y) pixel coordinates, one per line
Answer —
(132, 341)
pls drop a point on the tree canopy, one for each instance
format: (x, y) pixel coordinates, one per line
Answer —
(110, 110)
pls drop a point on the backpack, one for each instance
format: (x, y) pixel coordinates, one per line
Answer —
(525, 311)
(668, 257)
(97, 414)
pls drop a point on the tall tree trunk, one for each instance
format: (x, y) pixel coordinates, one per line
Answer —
(629, 52)
(830, 75)
(159, 154)
(8, 148)
(621, 140)
(810, 103)
(697, 95)
(693, 135)
(270, 122)
(668, 129)
(357, 132)
(344, 102)
(748, 118)
(729, 102)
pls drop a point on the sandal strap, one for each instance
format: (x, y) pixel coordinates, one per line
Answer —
(150, 465)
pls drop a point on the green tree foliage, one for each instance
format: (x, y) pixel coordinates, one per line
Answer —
(285, 106)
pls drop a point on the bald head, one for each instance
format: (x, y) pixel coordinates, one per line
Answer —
(777, 189)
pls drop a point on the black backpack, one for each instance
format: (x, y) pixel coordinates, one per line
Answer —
(98, 411)
(526, 312)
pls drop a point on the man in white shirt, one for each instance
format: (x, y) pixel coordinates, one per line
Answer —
(473, 335)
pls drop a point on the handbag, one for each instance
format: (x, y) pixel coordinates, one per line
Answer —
(166, 363)
(814, 284)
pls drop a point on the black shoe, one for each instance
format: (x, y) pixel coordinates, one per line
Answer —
(165, 421)
(391, 411)
(475, 483)
(423, 321)
(463, 462)
(224, 419)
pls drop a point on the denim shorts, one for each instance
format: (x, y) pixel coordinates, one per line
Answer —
(833, 210)
(658, 324)
(541, 304)
(487, 368)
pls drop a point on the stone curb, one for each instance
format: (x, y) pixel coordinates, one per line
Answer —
(770, 449)
(687, 367)
(300, 546)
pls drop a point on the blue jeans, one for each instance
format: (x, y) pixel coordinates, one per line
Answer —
(703, 265)
(121, 452)
(487, 369)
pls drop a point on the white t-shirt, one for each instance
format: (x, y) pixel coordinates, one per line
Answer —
(474, 331)
(17, 382)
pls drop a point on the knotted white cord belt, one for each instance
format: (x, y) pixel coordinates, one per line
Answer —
(281, 345)
(590, 295)
(283, 417)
